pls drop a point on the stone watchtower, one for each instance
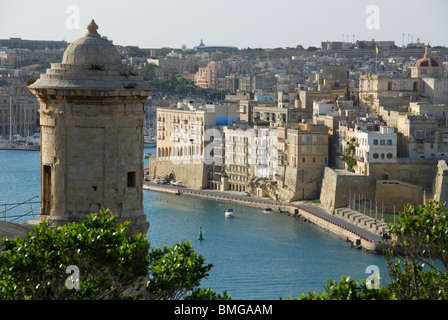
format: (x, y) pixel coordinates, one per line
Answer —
(91, 118)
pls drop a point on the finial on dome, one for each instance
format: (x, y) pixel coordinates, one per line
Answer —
(92, 27)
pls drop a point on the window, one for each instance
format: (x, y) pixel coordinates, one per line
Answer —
(375, 156)
(375, 142)
(389, 156)
(382, 156)
(382, 142)
(303, 160)
(389, 142)
(131, 180)
(445, 137)
(420, 134)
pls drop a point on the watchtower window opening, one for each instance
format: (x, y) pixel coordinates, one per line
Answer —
(131, 180)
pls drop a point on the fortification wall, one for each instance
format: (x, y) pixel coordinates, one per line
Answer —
(339, 186)
(193, 175)
(441, 182)
(392, 194)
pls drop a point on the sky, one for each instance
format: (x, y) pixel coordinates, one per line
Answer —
(240, 23)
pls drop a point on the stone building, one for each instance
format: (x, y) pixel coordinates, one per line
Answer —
(379, 146)
(188, 139)
(426, 83)
(91, 113)
(303, 156)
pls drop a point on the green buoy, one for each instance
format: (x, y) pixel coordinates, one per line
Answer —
(200, 234)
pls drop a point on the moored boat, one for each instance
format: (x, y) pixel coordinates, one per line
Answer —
(229, 213)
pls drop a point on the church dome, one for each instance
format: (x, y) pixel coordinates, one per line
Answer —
(426, 62)
(92, 49)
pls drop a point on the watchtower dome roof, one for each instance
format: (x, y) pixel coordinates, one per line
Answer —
(92, 49)
(92, 63)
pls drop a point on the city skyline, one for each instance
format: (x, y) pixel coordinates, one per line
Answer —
(254, 24)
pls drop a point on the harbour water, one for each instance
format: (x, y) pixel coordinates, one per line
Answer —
(256, 255)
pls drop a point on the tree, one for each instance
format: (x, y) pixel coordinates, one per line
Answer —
(111, 264)
(149, 72)
(349, 155)
(109, 261)
(420, 252)
(348, 289)
(167, 279)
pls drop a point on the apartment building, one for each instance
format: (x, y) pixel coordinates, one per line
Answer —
(189, 142)
(249, 154)
(379, 146)
(303, 156)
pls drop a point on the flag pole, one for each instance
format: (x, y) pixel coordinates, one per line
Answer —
(376, 60)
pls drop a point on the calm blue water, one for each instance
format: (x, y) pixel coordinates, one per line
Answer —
(256, 255)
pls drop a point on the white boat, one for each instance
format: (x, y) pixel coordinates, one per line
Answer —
(149, 142)
(229, 213)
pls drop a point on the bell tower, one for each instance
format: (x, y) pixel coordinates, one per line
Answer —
(91, 118)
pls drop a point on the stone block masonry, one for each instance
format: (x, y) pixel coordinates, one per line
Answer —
(91, 110)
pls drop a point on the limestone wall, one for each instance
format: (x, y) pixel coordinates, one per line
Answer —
(441, 182)
(191, 174)
(339, 186)
(410, 171)
(392, 194)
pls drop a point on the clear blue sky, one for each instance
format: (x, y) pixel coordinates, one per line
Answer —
(241, 23)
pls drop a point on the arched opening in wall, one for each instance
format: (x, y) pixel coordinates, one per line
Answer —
(385, 176)
(172, 177)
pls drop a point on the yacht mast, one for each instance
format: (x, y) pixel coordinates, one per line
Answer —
(10, 119)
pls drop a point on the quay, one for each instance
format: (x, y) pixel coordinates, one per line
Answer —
(340, 223)
(357, 235)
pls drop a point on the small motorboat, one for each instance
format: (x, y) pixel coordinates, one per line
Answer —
(229, 213)
(269, 210)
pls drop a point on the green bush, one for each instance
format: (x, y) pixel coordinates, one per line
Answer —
(111, 264)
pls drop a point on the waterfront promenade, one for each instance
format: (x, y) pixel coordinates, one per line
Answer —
(358, 236)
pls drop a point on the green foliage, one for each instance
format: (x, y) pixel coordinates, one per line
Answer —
(207, 294)
(112, 264)
(148, 72)
(418, 261)
(181, 86)
(348, 289)
(175, 271)
(109, 261)
(349, 156)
